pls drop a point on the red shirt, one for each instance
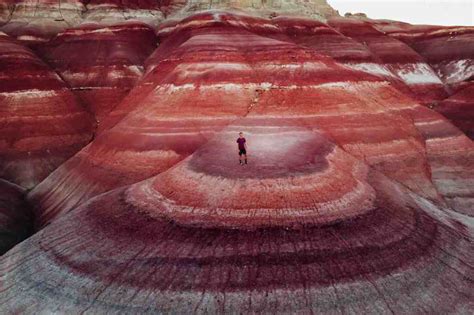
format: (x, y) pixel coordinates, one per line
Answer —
(241, 142)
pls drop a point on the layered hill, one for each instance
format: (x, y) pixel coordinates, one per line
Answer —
(42, 122)
(100, 64)
(358, 195)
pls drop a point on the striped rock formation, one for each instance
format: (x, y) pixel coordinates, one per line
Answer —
(219, 74)
(42, 123)
(450, 166)
(74, 12)
(16, 219)
(34, 22)
(328, 41)
(358, 195)
(306, 228)
(397, 57)
(100, 64)
(448, 50)
(306, 32)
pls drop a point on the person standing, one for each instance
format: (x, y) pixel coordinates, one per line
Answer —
(242, 148)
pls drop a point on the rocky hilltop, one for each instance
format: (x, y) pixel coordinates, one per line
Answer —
(121, 189)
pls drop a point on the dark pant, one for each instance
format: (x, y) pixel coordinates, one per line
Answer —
(242, 151)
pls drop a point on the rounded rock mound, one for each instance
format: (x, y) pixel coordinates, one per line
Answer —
(114, 254)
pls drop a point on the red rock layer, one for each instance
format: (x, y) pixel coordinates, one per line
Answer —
(16, 220)
(238, 242)
(448, 50)
(401, 60)
(363, 48)
(307, 32)
(342, 47)
(100, 64)
(459, 109)
(360, 46)
(219, 74)
(42, 124)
